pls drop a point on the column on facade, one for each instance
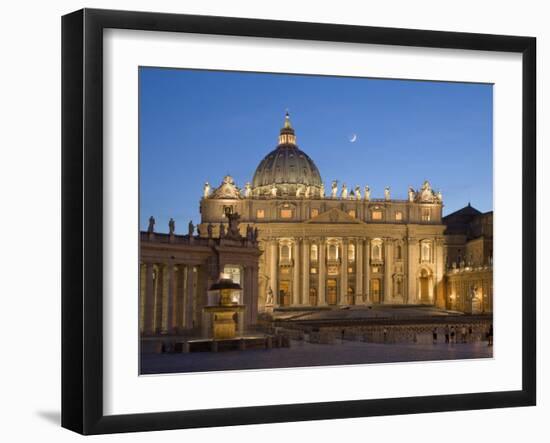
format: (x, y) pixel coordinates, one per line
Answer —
(359, 271)
(366, 285)
(296, 289)
(440, 273)
(273, 267)
(189, 297)
(412, 266)
(149, 304)
(344, 274)
(170, 296)
(483, 295)
(305, 272)
(322, 272)
(388, 265)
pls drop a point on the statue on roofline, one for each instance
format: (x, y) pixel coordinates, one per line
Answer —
(151, 227)
(206, 190)
(334, 189)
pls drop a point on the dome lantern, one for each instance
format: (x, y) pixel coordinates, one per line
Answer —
(287, 135)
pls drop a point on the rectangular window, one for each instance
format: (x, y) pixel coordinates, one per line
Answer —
(286, 213)
(314, 212)
(377, 215)
(398, 216)
(426, 214)
(260, 213)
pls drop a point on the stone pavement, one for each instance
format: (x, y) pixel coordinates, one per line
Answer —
(302, 354)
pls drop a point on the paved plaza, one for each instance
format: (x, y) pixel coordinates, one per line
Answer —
(303, 354)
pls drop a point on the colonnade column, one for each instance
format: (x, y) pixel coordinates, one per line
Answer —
(344, 274)
(179, 302)
(296, 273)
(149, 305)
(322, 272)
(189, 297)
(359, 271)
(171, 286)
(367, 271)
(159, 297)
(305, 272)
(387, 270)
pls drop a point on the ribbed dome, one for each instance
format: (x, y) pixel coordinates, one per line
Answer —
(286, 165)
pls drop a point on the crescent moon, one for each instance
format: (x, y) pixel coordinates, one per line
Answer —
(353, 138)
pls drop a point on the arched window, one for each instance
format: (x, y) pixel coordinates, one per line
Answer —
(351, 252)
(314, 253)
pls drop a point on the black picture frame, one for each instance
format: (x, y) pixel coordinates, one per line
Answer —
(82, 216)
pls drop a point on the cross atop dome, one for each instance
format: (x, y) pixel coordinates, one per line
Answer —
(287, 120)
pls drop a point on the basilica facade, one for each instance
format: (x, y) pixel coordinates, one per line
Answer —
(334, 245)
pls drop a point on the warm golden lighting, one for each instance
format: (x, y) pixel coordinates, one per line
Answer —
(286, 213)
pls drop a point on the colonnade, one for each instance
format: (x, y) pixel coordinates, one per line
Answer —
(167, 294)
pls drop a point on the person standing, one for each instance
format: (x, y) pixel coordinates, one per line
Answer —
(453, 334)
(446, 333)
(463, 334)
(434, 335)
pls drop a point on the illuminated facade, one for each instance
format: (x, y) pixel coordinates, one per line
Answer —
(469, 249)
(337, 245)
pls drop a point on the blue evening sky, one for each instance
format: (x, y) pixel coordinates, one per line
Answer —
(198, 126)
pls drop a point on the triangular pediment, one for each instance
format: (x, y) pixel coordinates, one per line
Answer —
(334, 215)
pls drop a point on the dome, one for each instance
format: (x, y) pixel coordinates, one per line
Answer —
(286, 167)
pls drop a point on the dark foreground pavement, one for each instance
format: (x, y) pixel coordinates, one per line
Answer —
(302, 354)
